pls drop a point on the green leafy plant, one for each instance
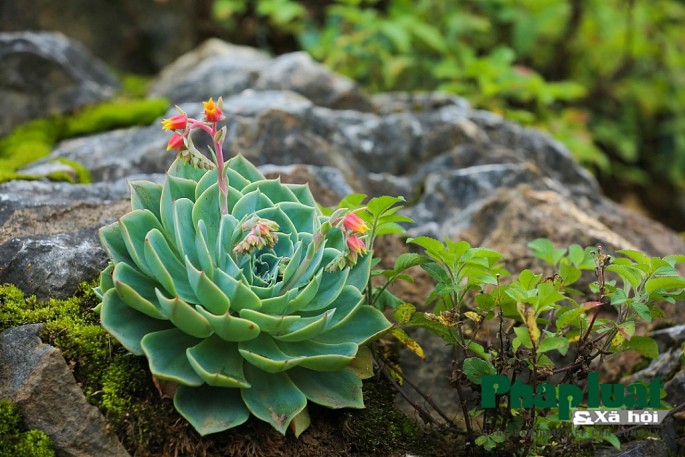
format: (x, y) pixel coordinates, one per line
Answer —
(602, 76)
(238, 290)
(534, 323)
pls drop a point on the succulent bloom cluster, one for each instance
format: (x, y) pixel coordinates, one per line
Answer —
(353, 230)
(262, 234)
(238, 289)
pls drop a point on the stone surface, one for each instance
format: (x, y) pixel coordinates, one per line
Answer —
(116, 154)
(35, 377)
(48, 232)
(641, 448)
(42, 74)
(299, 73)
(133, 35)
(213, 69)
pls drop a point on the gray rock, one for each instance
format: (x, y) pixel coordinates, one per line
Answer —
(213, 69)
(396, 102)
(35, 377)
(675, 388)
(135, 36)
(641, 448)
(113, 155)
(45, 73)
(299, 73)
(48, 232)
(670, 336)
(450, 198)
(51, 265)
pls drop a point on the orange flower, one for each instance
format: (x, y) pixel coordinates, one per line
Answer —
(176, 142)
(213, 111)
(177, 122)
(354, 223)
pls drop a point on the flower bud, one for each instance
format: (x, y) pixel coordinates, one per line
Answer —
(354, 223)
(355, 246)
(177, 122)
(176, 142)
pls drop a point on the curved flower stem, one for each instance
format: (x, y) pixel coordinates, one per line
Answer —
(223, 188)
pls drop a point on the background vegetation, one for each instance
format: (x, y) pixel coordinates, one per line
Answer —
(603, 76)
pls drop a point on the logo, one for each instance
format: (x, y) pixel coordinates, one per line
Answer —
(630, 402)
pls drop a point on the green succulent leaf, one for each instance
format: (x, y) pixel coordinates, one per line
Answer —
(218, 363)
(208, 293)
(146, 195)
(339, 389)
(166, 352)
(211, 409)
(136, 290)
(168, 269)
(126, 324)
(184, 229)
(273, 398)
(134, 226)
(112, 240)
(230, 328)
(184, 316)
(244, 168)
(364, 326)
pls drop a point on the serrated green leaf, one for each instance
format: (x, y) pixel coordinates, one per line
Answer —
(475, 368)
(668, 283)
(550, 343)
(644, 345)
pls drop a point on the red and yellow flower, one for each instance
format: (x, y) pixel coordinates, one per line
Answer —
(213, 112)
(177, 122)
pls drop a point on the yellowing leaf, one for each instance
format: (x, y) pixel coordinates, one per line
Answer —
(617, 340)
(475, 317)
(528, 314)
(408, 342)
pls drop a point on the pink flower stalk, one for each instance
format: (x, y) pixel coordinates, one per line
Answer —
(177, 122)
(176, 142)
(213, 112)
(354, 223)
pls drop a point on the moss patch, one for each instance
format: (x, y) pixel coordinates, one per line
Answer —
(35, 139)
(16, 440)
(121, 385)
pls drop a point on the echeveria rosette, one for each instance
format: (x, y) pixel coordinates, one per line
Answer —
(261, 332)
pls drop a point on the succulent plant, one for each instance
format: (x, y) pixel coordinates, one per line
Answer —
(256, 308)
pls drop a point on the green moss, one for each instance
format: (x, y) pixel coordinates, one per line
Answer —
(16, 440)
(381, 429)
(133, 85)
(121, 386)
(69, 324)
(115, 114)
(35, 139)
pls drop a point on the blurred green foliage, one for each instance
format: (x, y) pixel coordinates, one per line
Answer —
(605, 77)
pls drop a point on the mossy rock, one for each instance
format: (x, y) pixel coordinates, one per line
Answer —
(35, 139)
(16, 440)
(121, 386)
